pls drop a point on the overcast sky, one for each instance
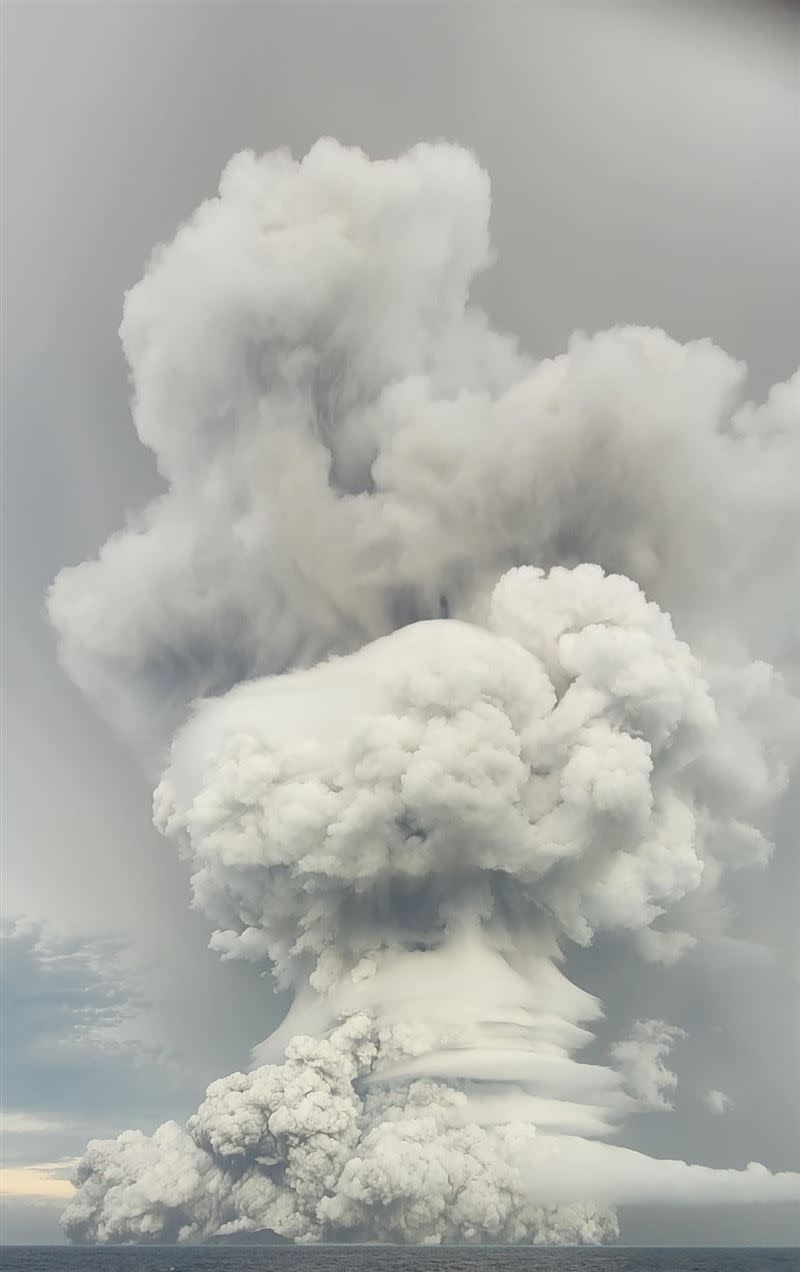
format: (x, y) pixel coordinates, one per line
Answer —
(645, 168)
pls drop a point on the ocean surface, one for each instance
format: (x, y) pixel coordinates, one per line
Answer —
(392, 1259)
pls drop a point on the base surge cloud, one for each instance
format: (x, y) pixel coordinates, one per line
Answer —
(448, 658)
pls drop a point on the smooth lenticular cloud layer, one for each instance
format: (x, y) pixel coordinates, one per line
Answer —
(414, 611)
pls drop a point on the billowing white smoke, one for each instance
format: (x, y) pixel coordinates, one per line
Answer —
(510, 749)
(295, 1148)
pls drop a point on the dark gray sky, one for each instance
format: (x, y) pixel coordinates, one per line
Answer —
(645, 164)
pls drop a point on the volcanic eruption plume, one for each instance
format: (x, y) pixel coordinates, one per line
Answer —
(407, 634)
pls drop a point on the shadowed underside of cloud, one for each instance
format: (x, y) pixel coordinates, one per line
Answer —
(413, 612)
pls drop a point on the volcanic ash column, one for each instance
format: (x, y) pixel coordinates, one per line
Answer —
(424, 746)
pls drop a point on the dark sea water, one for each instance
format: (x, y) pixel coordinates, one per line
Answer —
(391, 1259)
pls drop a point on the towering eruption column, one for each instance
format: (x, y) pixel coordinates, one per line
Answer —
(407, 816)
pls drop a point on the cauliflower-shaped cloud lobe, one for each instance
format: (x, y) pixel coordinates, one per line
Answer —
(552, 762)
(296, 1148)
(309, 1150)
(409, 619)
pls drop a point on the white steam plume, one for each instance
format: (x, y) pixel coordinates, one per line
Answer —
(419, 742)
(640, 1059)
(718, 1102)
